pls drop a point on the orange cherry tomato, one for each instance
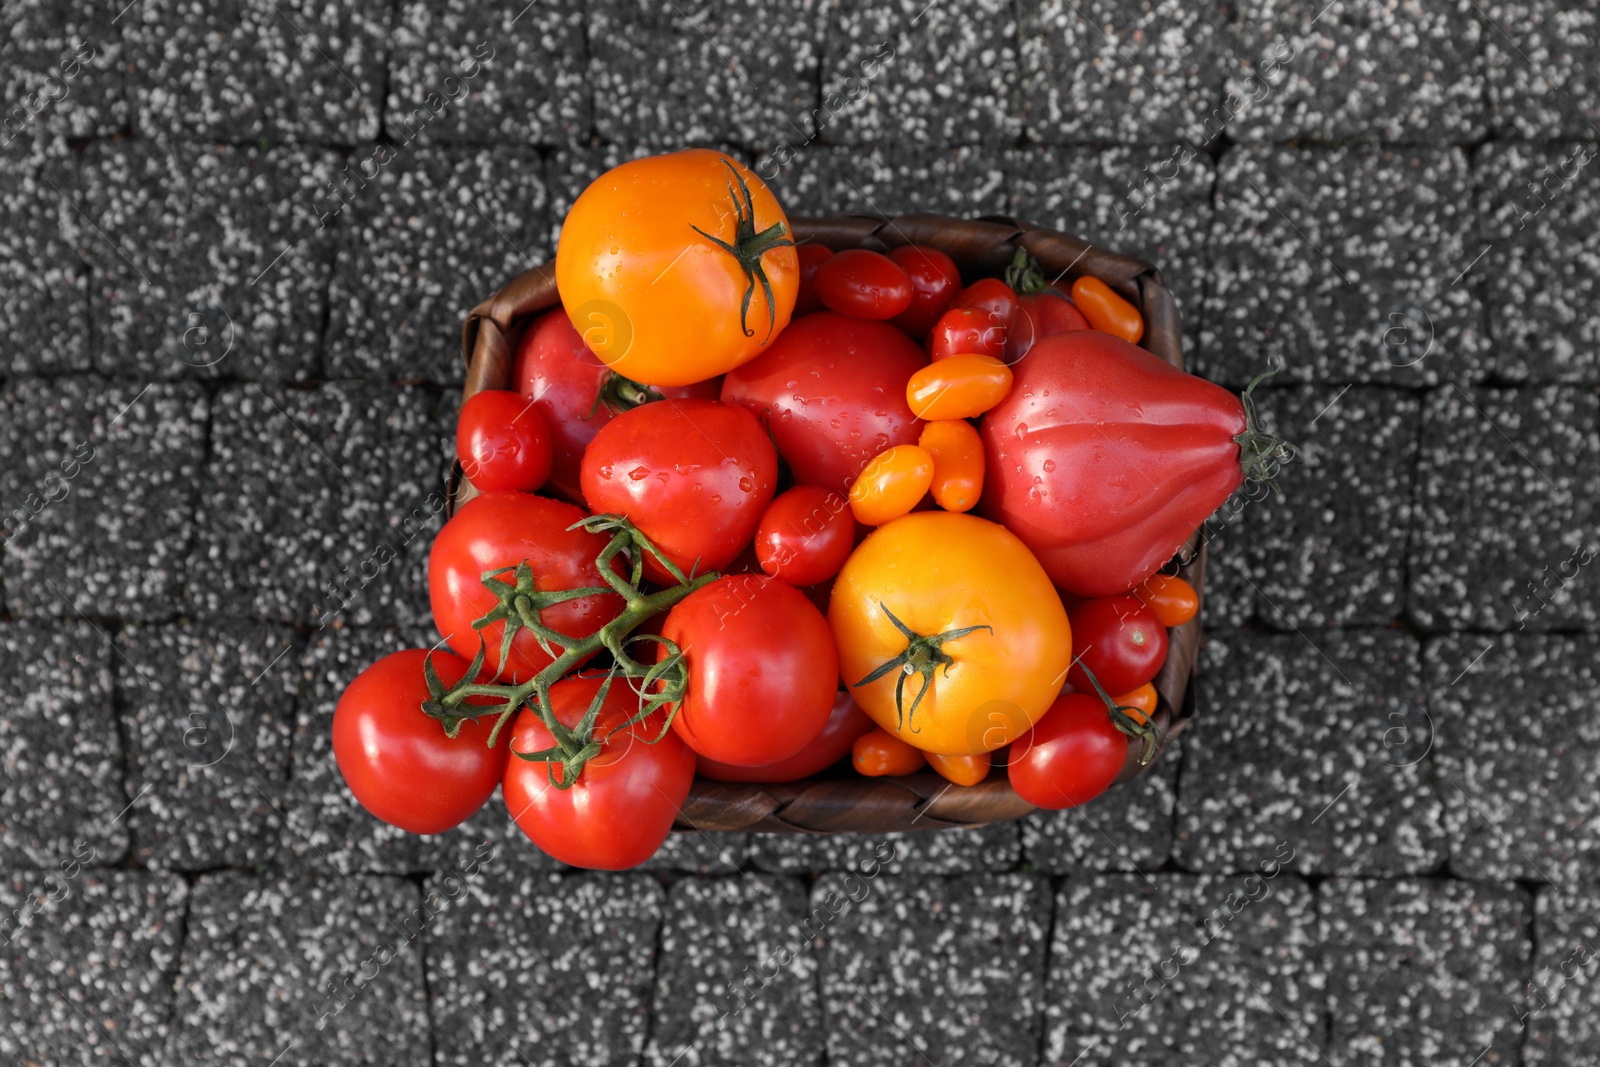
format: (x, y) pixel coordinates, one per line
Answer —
(1106, 311)
(1172, 599)
(893, 483)
(961, 387)
(1142, 700)
(880, 753)
(957, 453)
(962, 770)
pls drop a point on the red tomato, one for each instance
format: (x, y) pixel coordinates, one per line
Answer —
(966, 332)
(811, 257)
(935, 280)
(994, 298)
(831, 391)
(863, 284)
(502, 442)
(498, 530)
(805, 535)
(1119, 640)
(846, 723)
(397, 760)
(1072, 754)
(624, 802)
(693, 475)
(763, 672)
(1041, 315)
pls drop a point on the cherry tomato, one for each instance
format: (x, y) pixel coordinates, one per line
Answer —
(1172, 599)
(863, 284)
(624, 802)
(1142, 701)
(397, 760)
(991, 296)
(1120, 641)
(935, 280)
(1106, 311)
(500, 530)
(805, 535)
(966, 332)
(502, 442)
(846, 723)
(811, 257)
(693, 475)
(957, 453)
(961, 387)
(1071, 755)
(879, 754)
(763, 672)
(892, 484)
(961, 770)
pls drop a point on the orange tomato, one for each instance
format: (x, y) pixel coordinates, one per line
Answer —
(893, 483)
(1142, 700)
(1172, 599)
(961, 387)
(1106, 311)
(957, 453)
(962, 770)
(879, 753)
(677, 268)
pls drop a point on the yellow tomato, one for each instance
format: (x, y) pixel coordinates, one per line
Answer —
(961, 770)
(958, 461)
(893, 483)
(961, 387)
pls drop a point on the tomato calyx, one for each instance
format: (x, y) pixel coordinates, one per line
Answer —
(1144, 731)
(1024, 276)
(748, 247)
(620, 393)
(924, 654)
(1260, 453)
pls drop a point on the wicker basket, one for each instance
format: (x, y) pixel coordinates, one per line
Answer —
(848, 803)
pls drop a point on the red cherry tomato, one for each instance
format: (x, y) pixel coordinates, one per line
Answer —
(397, 760)
(966, 332)
(811, 257)
(846, 723)
(1119, 640)
(991, 296)
(863, 284)
(935, 281)
(1072, 754)
(624, 802)
(805, 535)
(502, 442)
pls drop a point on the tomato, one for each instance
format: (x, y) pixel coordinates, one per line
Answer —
(1120, 642)
(966, 331)
(495, 531)
(678, 267)
(832, 393)
(577, 394)
(879, 754)
(892, 484)
(762, 670)
(1051, 311)
(935, 281)
(957, 453)
(805, 535)
(1173, 600)
(810, 256)
(845, 723)
(502, 442)
(1071, 755)
(624, 802)
(961, 387)
(1043, 308)
(991, 296)
(863, 284)
(1140, 704)
(396, 759)
(961, 770)
(964, 605)
(693, 475)
(1106, 311)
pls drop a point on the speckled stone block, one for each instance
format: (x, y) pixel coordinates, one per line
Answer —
(97, 495)
(1343, 262)
(1544, 66)
(1406, 70)
(90, 980)
(544, 970)
(1323, 747)
(442, 228)
(1540, 211)
(701, 852)
(244, 70)
(1127, 829)
(1217, 970)
(736, 982)
(987, 848)
(464, 72)
(1424, 972)
(44, 308)
(964, 182)
(321, 504)
(1505, 520)
(62, 77)
(1561, 1006)
(208, 260)
(1099, 70)
(301, 971)
(932, 969)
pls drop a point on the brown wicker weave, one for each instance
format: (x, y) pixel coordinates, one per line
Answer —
(982, 247)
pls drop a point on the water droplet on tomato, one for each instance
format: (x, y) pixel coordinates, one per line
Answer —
(746, 485)
(1049, 465)
(639, 474)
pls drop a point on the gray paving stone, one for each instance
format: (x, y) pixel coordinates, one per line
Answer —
(97, 489)
(518, 75)
(1540, 211)
(539, 970)
(1423, 972)
(1323, 748)
(61, 793)
(988, 848)
(736, 982)
(90, 980)
(1543, 59)
(313, 970)
(1505, 525)
(1340, 262)
(1127, 829)
(246, 69)
(1215, 970)
(964, 182)
(1515, 732)
(702, 852)
(1559, 1007)
(61, 64)
(437, 231)
(1103, 71)
(321, 504)
(932, 970)
(185, 244)
(43, 294)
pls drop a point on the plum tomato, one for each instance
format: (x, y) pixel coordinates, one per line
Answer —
(880, 754)
(1120, 642)
(1140, 704)
(811, 257)
(961, 770)
(935, 281)
(966, 332)
(893, 483)
(863, 284)
(958, 462)
(805, 535)
(1173, 600)
(502, 442)
(846, 723)
(961, 387)
(1106, 311)
(1072, 754)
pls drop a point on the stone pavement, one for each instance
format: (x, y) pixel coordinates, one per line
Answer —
(223, 388)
